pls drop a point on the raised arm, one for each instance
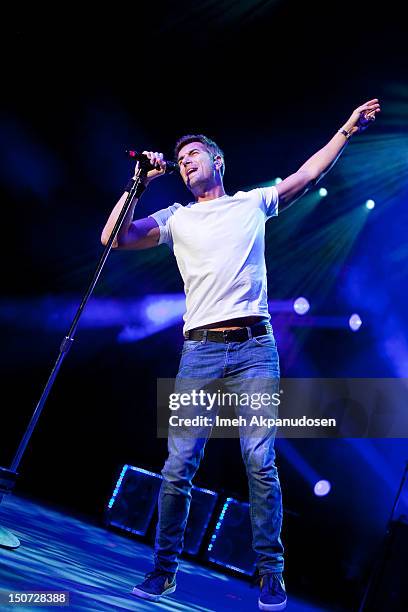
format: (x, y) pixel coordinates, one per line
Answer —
(313, 170)
(142, 233)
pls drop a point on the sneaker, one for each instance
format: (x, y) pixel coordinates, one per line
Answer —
(155, 585)
(273, 594)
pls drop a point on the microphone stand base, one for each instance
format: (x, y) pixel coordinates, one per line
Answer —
(8, 539)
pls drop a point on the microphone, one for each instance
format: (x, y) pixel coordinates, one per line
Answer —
(142, 159)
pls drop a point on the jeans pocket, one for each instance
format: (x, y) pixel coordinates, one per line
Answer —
(190, 345)
(266, 340)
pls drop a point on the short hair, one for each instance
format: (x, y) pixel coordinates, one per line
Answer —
(209, 144)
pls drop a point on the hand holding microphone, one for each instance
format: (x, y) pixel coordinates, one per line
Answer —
(153, 163)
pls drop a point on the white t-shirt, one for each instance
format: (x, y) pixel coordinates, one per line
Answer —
(219, 246)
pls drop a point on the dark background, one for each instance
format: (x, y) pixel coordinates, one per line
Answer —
(270, 82)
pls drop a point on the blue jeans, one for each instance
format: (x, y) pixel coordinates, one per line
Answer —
(236, 363)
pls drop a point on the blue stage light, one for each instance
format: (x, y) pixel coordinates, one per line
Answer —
(322, 487)
(301, 306)
(323, 192)
(355, 322)
(370, 204)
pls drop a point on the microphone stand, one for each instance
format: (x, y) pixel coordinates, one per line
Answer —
(8, 476)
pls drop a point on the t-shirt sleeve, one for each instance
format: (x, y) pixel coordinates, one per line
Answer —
(269, 201)
(162, 218)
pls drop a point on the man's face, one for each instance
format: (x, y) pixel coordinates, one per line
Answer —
(196, 165)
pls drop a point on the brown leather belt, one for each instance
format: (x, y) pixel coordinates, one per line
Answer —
(230, 335)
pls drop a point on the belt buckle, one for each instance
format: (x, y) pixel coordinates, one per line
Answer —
(225, 334)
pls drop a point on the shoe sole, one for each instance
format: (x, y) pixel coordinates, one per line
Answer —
(272, 607)
(150, 596)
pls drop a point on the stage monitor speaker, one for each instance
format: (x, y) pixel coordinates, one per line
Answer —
(231, 542)
(134, 500)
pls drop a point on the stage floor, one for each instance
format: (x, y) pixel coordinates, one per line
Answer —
(61, 552)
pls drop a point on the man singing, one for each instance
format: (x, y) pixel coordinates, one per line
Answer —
(218, 242)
